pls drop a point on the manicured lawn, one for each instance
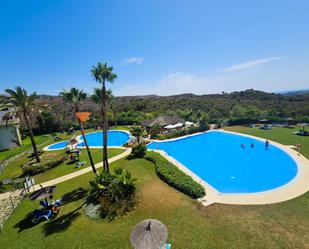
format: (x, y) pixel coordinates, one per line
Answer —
(278, 134)
(120, 127)
(284, 225)
(14, 169)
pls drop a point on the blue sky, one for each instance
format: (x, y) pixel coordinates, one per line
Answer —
(156, 47)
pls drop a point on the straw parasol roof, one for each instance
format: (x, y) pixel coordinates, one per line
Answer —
(149, 234)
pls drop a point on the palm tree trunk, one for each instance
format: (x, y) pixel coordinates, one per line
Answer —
(104, 115)
(87, 148)
(35, 150)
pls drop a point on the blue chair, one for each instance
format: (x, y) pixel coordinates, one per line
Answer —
(44, 204)
(41, 214)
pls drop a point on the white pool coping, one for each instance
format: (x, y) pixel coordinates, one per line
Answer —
(299, 185)
(79, 140)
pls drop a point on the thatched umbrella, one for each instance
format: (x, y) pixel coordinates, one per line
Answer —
(149, 234)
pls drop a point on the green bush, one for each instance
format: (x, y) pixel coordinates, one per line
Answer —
(138, 151)
(116, 192)
(174, 177)
(184, 132)
(48, 161)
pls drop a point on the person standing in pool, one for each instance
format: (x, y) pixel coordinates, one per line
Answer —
(266, 144)
(252, 145)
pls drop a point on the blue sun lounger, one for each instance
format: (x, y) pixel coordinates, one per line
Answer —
(41, 214)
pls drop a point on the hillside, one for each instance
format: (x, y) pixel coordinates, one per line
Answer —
(216, 106)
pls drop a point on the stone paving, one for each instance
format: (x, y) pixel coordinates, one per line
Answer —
(7, 207)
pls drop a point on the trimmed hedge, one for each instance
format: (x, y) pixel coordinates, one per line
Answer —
(48, 161)
(174, 177)
(138, 151)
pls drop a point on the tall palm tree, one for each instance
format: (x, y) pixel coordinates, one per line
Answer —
(111, 101)
(23, 106)
(76, 96)
(103, 74)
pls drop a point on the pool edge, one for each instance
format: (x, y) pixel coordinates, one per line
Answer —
(295, 187)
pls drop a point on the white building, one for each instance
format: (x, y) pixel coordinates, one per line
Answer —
(9, 130)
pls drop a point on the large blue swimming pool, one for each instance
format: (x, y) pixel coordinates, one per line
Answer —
(218, 158)
(115, 138)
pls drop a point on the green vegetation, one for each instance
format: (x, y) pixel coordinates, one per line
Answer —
(103, 74)
(138, 151)
(24, 106)
(173, 176)
(187, 131)
(120, 127)
(137, 131)
(14, 170)
(48, 161)
(190, 225)
(279, 134)
(114, 192)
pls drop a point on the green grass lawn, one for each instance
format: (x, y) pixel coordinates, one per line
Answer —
(120, 127)
(14, 170)
(279, 134)
(284, 225)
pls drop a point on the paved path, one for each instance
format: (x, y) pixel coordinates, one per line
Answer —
(65, 177)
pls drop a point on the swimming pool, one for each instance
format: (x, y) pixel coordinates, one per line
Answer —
(95, 139)
(218, 158)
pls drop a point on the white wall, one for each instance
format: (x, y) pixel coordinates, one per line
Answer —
(8, 136)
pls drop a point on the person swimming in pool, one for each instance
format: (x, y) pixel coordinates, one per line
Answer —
(252, 145)
(243, 146)
(266, 144)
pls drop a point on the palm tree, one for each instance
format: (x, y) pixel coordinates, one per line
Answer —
(104, 74)
(23, 106)
(113, 105)
(111, 101)
(76, 97)
(137, 131)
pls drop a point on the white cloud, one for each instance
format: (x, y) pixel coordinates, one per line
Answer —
(233, 78)
(173, 83)
(133, 60)
(250, 64)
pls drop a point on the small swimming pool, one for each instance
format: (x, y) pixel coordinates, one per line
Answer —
(115, 138)
(218, 158)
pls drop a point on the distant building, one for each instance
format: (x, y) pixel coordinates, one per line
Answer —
(162, 121)
(9, 130)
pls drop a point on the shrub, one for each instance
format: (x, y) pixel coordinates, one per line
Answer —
(138, 151)
(174, 177)
(154, 131)
(115, 192)
(48, 161)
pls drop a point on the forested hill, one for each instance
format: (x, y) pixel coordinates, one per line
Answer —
(256, 104)
(223, 102)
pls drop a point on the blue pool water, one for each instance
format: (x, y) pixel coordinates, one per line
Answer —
(218, 159)
(115, 138)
